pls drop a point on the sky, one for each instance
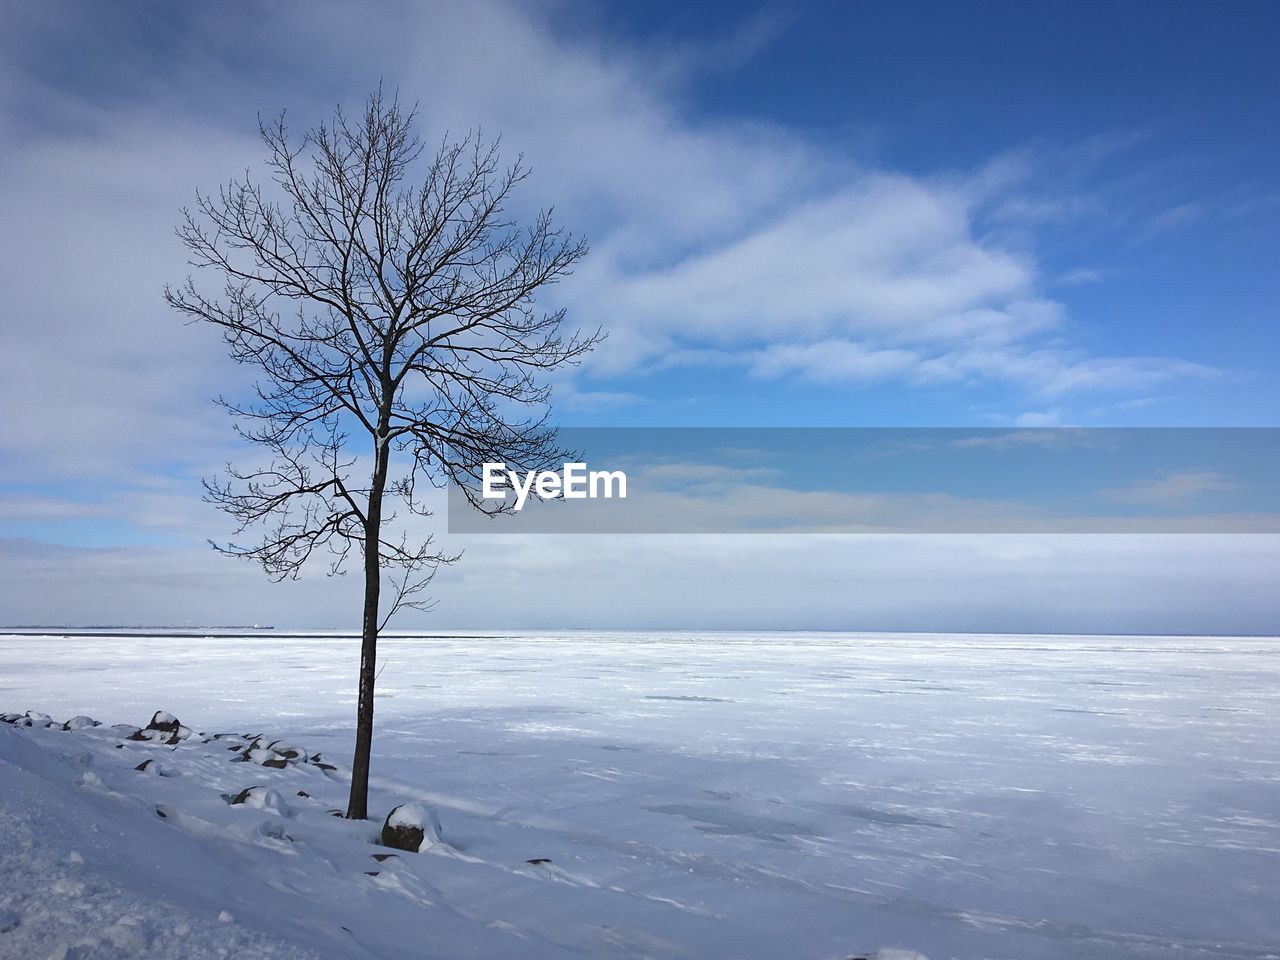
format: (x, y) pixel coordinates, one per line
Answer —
(918, 214)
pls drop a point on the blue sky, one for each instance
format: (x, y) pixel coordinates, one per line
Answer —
(1150, 142)
(917, 214)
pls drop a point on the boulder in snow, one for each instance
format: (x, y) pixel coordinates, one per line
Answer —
(79, 723)
(262, 798)
(412, 827)
(289, 751)
(165, 722)
(264, 758)
(150, 735)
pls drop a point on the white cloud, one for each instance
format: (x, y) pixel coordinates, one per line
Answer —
(833, 361)
(729, 242)
(1175, 489)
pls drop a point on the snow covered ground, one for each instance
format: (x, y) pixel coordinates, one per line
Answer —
(781, 796)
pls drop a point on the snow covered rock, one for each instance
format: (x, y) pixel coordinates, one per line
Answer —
(79, 723)
(411, 827)
(165, 722)
(262, 757)
(155, 736)
(289, 751)
(262, 798)
(129, 935)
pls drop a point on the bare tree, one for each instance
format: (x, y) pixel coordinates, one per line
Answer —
(387, 302)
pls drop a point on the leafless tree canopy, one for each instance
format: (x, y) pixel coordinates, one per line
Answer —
(387, 300)
(380, 306)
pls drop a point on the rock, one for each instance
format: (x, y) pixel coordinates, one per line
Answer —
(304, 795)
(261, 798)
(539, 861)
(412, 827)
(384, 856)
(129, 935)
(150, 735)
(265, 758)
(145, 764)
(288, 751)
(79, 723)
(123, 730)
(165, 722)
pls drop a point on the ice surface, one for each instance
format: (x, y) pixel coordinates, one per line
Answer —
(698, 795)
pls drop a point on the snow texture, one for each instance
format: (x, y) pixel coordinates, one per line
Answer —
(810, 797)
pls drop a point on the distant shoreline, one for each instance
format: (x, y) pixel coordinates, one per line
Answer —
(136, 626)
(600, 633)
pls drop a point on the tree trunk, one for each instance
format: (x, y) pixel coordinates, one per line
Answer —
(358, 802)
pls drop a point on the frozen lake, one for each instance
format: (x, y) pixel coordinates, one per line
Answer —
(784, 796)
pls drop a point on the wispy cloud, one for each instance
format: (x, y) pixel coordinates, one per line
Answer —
(717, 242)
(1079, 277)
(1174, 489)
